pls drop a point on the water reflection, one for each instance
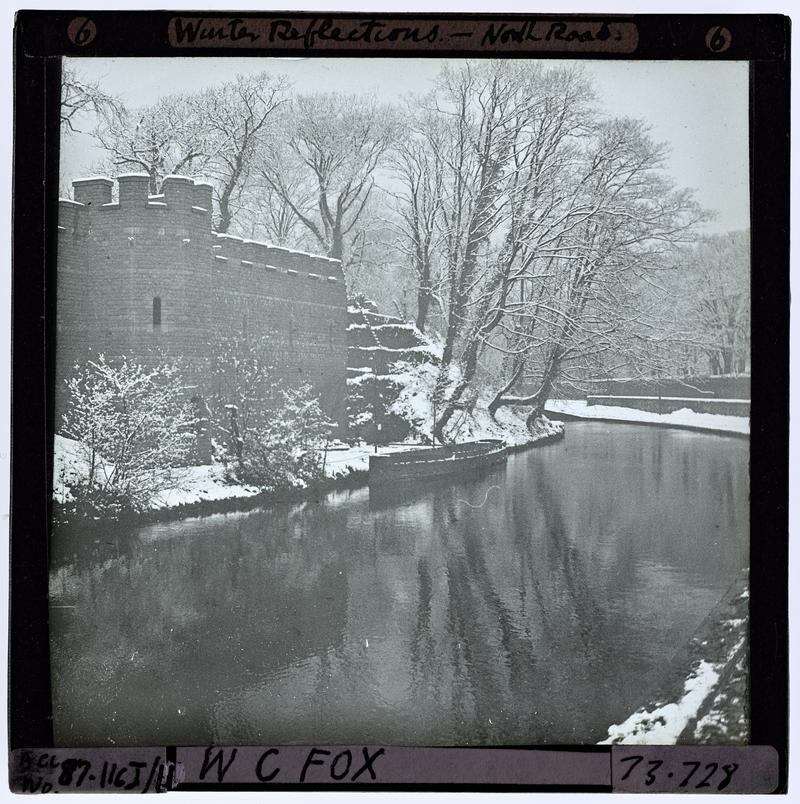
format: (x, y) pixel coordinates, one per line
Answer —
(537, 603)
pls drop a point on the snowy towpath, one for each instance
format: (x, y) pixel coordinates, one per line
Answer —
(685, 418)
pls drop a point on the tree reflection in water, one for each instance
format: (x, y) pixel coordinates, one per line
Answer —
(543, 614)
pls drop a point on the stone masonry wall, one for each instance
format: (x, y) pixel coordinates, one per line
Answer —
(118, 261)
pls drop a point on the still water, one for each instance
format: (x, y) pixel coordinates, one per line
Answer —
(540, 602)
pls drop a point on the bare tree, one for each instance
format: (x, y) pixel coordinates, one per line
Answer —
(244, 386)
(132, 427)
(512, 132)
(417, 160)
(265, 215)
(79, 97)
(336, 142)
(169, 137)
(634, 223)
(547, 216)
(717, 295)
(235, 117)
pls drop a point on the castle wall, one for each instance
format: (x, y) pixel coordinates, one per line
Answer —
(116, 258)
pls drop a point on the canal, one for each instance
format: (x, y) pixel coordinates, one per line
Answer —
(540, 602)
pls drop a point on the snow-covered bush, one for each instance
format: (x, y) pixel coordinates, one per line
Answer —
(268, 436)
(243, 392)
(285, 448)
(132, 426)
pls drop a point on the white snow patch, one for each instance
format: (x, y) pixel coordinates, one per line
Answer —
(366, 374)
(395, 326)
(104, 178)
(182, 486)
(70, 465)
(663, 726)
(680, 418)
(415, 405)
(711, 720)
(195, 484)
(672, 398)
(343, 462)
(416, 349)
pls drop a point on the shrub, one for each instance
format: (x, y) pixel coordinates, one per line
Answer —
(285, 448)
(133, 426)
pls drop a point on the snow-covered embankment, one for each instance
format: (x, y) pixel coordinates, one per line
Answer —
(685, 418)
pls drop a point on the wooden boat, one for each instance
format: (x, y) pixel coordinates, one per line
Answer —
(432, 462)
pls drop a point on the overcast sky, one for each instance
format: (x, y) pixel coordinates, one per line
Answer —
(699, 108)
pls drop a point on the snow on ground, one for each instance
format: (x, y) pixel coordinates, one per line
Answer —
(710, 706)
(663, 725)
(343, 462)
(683, 418)
(71, 465)
(194, 484)
(723, 721)
(674, 398)
(414, 405)
(183, 486)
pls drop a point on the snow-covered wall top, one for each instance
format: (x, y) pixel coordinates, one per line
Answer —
(147, 275)
(182, 197)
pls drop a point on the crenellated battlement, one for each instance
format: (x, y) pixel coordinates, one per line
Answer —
(276, 259)
(180, 196)
(186, 205)
(142, 274)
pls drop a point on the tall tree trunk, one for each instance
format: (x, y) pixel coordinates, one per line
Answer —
(225, 216)
(424, 289)
(462, 275)
(496, 403)
(336, 250)
(538, 399)
(423, 306)
(727, 360)
(470, 366)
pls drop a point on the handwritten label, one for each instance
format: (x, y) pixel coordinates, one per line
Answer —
(287, 765)
(390, 765)
(689, 769)
(694, 769)
(342, 33)
(75, 770)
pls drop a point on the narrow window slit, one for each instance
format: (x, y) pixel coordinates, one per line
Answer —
(156, 314)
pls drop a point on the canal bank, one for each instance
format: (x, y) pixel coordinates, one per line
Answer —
(202, 490)
(683, 419)
(709, 704)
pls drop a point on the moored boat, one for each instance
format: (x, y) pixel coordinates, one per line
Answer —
(431, 462)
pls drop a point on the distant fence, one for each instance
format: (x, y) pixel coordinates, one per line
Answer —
(695, 387)
(668, 404)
